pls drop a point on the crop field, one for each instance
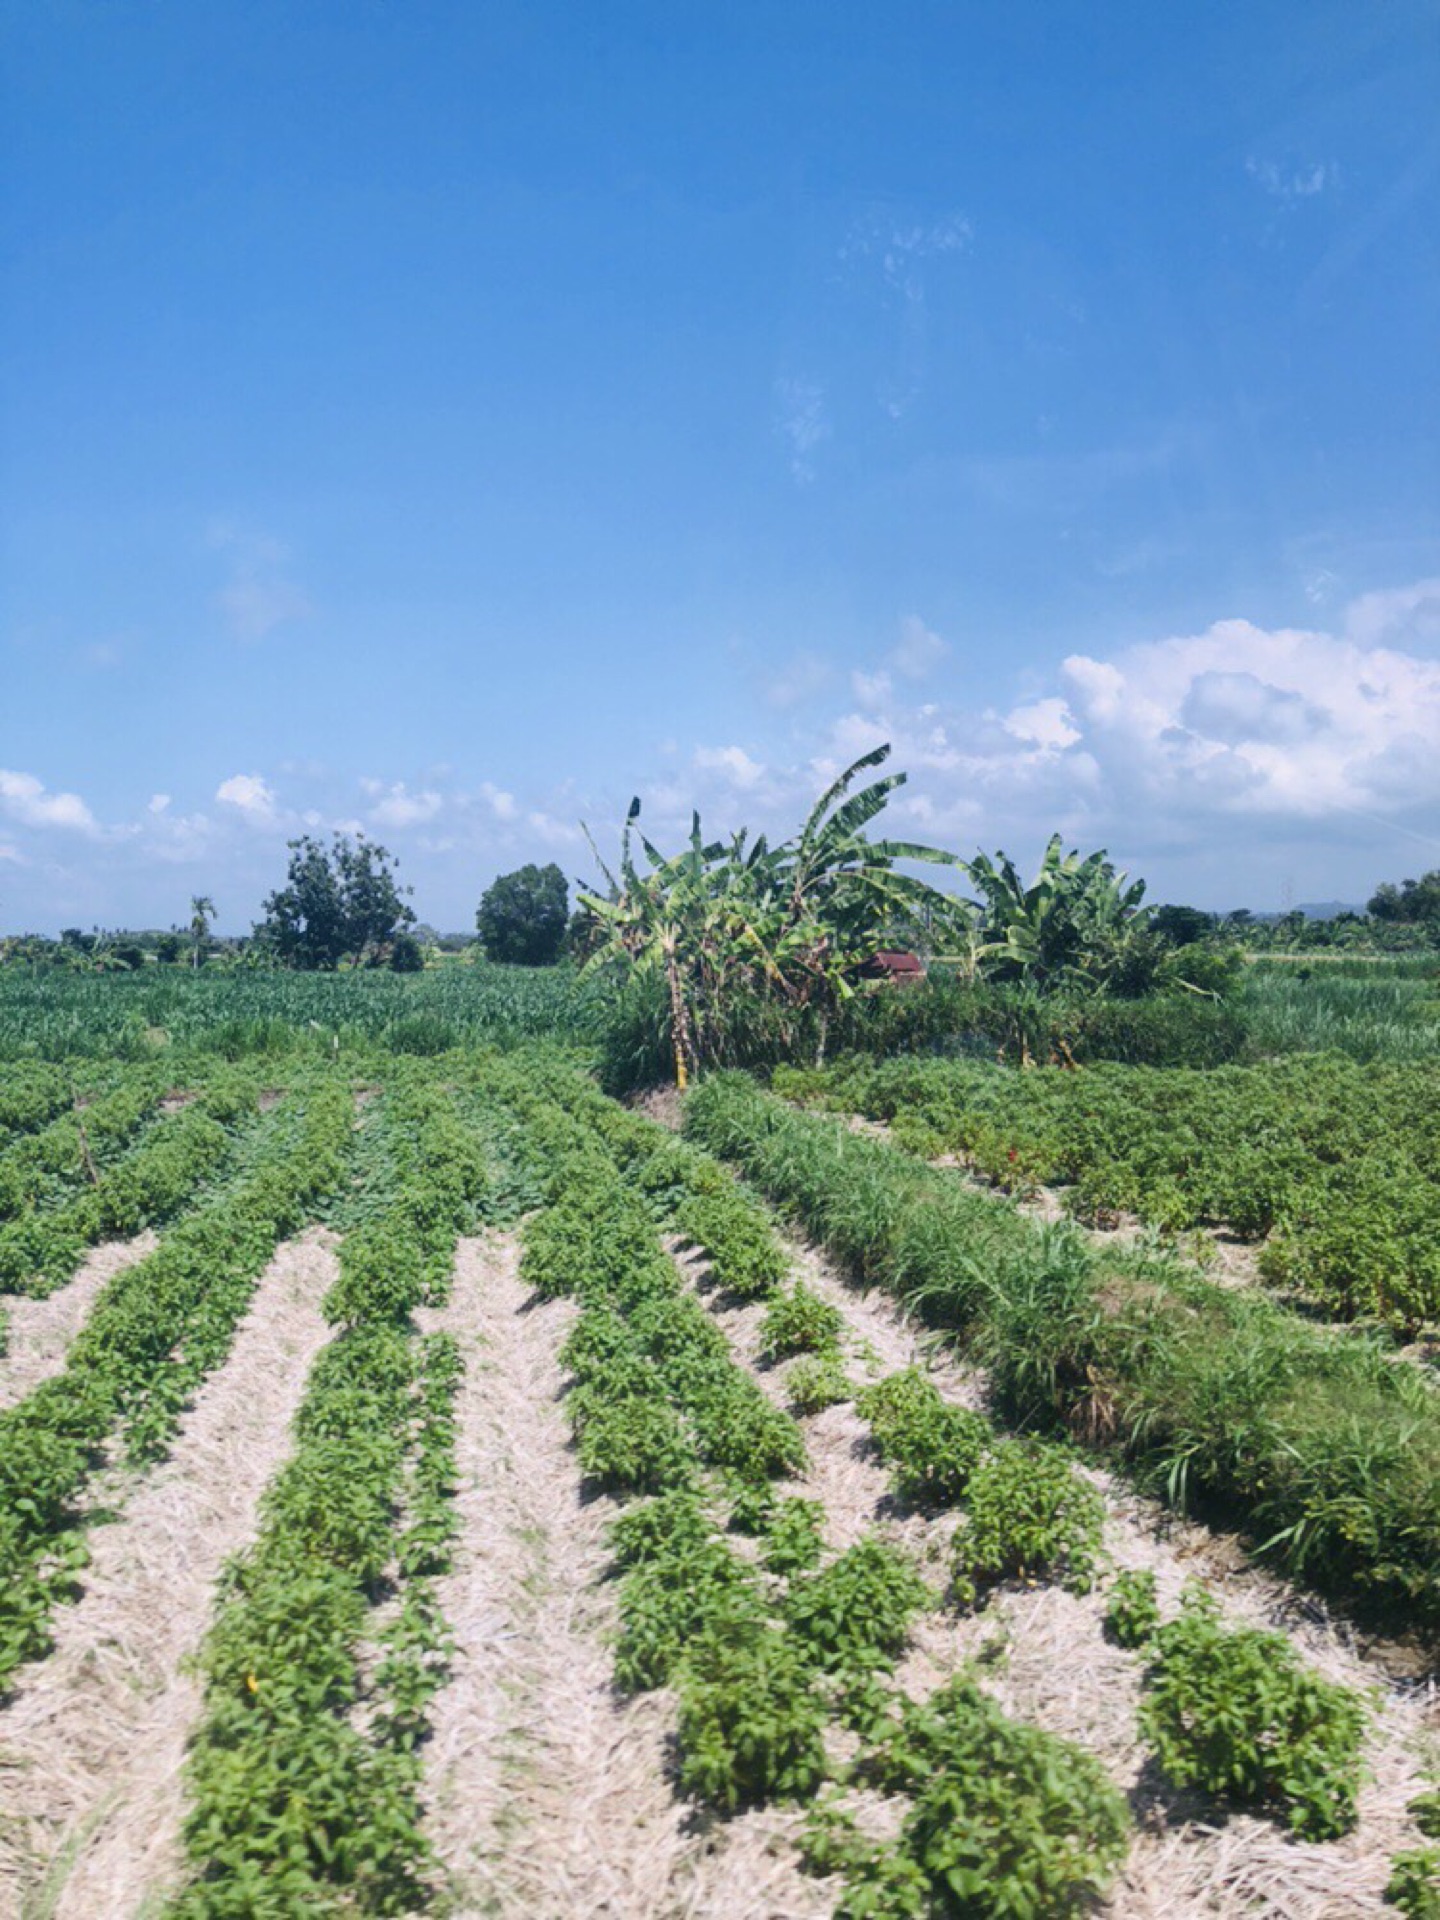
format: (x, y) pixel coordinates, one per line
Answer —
(428, 1485)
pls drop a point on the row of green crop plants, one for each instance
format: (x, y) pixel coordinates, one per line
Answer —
(48, 1016)
(770, 1649)
(301, 1803)
(1316, 1442)
(158, 1328)
(1336, 1167)
(304, 1780)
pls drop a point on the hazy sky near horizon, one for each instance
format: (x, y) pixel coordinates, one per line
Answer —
(447, 420)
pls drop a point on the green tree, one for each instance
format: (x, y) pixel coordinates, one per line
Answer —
(337, 904)
(1410, 902)
(202, 912)
(522, 916)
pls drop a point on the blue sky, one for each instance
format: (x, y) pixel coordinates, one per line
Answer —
(446, 420)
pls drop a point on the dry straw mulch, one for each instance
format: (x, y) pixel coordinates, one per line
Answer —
(93, 1742)
(40, 1331)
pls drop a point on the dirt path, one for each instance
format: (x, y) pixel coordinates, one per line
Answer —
(1053, 1666)
(92, 1746)
(40, 1331)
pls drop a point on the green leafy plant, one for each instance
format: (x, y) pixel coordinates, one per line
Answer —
(793, 1537)
(817, 1381)
(1414, 1883)
(1233, 1712)
(932, 1446)
(854, 1615)
(800, 1322)
(1132, 1613)
(751, 1724)
(1030, 1516)
(1007, 1820)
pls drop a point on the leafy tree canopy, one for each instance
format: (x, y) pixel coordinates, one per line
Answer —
(1411, 901)
(337, 904)
(522, 917)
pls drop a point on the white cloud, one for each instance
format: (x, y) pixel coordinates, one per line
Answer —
(1289, 183)
(258, 596)
(919, 650)
(158, 803)
(804, 421)
(26, 800)
(12, 854)
(248, 793)
(502, 804)
(1043, 723)
(733, 762)
(401, 808)
(872, 690)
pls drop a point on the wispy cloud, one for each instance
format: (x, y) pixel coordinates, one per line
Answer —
(258, 595)
(804, 422)
(1289, 183)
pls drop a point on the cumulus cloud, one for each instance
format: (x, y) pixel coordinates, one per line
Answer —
(733, 762)
(27, 800)
(501, 804)
(249, 795)
(401, 808)
(919, 650)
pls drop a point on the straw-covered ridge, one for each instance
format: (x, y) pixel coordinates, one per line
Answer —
(40, 1330)
(92, 1745)
(546, 1797)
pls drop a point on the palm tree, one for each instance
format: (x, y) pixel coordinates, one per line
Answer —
(202, 911)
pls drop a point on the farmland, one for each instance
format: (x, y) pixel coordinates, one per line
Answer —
(910, 1486)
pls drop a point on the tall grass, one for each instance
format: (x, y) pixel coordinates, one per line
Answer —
(1381, 1011)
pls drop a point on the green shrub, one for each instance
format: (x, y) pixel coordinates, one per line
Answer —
(670, 1600)
(745, 1257)
(1233, 1712)
(1414, 1883)
(1030, 1517)
(751, 1725)
(800, 1322)
(634, 1445)
(817, 1381)
(932, 1446)
(1132, 1613)
(1007, 1821)
(793, 1538)
(854, 1615)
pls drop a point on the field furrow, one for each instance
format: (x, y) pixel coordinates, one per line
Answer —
(547, 1797)
(92, 1746)
(40, 1330)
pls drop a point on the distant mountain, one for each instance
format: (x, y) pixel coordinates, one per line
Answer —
(1328, 909)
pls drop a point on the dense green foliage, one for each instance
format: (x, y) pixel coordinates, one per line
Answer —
(522, 916)
(344, 904)
(1233, 1712)
(1339, 1163)
(1324, 1448)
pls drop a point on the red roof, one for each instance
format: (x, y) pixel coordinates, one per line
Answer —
(896, 965)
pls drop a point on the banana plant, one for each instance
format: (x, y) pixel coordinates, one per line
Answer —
(790, 922)
(1070, 924)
